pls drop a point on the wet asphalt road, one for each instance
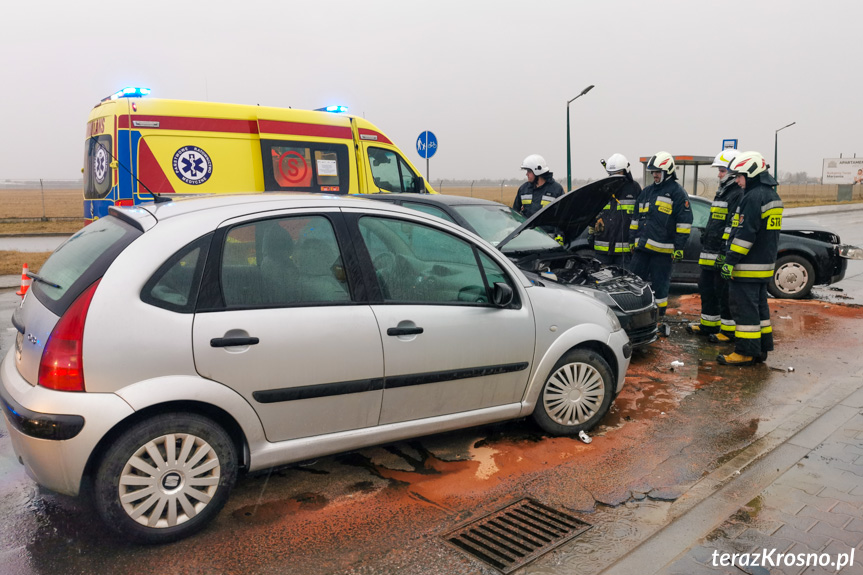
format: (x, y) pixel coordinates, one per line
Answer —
(383, 509)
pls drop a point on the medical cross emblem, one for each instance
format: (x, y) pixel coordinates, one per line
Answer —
(192, 165)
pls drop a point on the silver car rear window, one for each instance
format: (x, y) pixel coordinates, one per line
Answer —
(81, 260)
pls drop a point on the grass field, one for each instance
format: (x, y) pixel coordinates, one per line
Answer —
(35, 203)
(12, 262)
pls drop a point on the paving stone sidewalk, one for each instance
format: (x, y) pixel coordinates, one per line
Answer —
(816, 507)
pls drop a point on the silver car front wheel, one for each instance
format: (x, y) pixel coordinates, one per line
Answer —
(576, 395)
(166, 477)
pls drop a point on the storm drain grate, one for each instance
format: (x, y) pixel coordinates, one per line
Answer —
(516, 535)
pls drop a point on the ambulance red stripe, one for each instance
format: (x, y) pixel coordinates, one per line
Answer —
(193, 124)
(300, 129)
(376, 136)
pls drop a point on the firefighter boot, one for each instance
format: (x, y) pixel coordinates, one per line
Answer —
(735, 359)
(695, 329)
(719, 338)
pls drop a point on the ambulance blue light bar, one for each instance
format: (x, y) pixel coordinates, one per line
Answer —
(334, 109)
(128, 93)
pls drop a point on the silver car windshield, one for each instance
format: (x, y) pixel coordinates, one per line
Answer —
(494, 223)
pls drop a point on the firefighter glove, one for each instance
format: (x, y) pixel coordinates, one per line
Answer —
(727, 270)
(677, 255)
(720, 261)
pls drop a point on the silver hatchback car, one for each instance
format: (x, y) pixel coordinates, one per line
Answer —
(166, 348)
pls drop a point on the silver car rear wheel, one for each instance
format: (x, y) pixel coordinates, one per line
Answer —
(166, 477)
(576, 395)
(169, 480)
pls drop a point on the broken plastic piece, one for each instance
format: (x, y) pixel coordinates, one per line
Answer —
(784, 317)
(676, 363)
(783, 369)
(584, 437)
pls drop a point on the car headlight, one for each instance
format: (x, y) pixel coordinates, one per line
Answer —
(851, 252)
(597, 295)
(612, 318)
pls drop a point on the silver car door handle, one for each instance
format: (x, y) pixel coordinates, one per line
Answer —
(404, 330)
(233, 341)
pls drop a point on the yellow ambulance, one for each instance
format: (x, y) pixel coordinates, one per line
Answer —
(137, 145)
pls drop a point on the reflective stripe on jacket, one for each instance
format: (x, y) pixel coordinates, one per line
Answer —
(722, 209)
(610, 229)
(754, 239)
(664, 219)
(530, 199)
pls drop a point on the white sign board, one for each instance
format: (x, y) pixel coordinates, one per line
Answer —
(842, 171)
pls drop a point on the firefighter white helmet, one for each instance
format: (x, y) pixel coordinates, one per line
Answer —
(724, 158)
(661, 162)
(536, 164)
(749, 164)
(616, 163)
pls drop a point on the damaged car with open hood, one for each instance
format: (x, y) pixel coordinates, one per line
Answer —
(531, 244)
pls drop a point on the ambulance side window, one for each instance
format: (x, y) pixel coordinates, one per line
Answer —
(390, 172)
(305, 166)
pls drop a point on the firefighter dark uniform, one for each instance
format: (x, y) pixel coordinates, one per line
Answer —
(749, 260)
(530, 198)
(609, 233)
(715, 313)
(663, 226)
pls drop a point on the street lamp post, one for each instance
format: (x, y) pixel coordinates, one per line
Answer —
(568, 153)
(776, 150)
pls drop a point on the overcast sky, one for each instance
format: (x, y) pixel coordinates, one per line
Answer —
(489, 78)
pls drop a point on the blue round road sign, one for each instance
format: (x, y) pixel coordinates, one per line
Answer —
(426, 144)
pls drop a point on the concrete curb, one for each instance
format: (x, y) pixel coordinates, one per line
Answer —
(832, 208)
(11, 281)
(718, 495)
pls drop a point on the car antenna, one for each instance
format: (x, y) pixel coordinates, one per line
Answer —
(157, 199)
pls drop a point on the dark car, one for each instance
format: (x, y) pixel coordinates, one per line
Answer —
(808, 255)
(529, 245)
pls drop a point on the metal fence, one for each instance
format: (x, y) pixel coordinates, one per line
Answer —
(62, 199)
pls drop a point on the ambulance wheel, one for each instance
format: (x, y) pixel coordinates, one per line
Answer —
(793, 277)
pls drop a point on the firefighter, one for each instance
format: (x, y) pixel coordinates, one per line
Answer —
(662, 228)
(609, 233)
(539, 189)
(750, 258)
(715, 314)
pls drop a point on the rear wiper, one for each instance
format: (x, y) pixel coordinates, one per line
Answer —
(42, 280)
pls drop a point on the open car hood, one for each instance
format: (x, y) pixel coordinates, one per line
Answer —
(571, 213)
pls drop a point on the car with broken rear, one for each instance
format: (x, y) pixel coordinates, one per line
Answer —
(168, 347)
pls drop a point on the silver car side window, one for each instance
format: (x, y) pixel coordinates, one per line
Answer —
(281, 262)
(414, 263)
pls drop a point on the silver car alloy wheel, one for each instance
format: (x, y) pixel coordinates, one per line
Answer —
(573, 394)
(169, 480)
(791, 277)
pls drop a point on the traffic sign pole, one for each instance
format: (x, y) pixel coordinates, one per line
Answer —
(426, 148)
